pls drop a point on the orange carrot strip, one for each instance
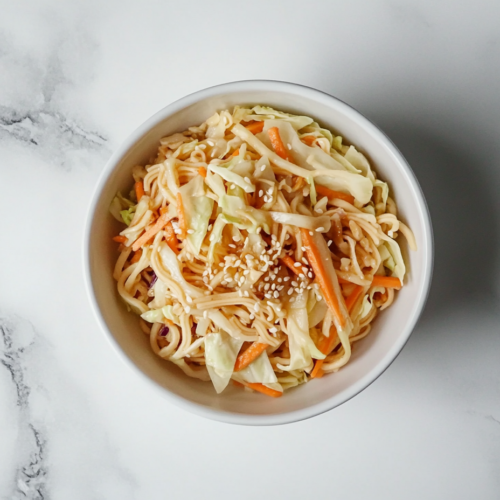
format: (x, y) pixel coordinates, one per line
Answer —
(265, 390)
(299, 183)
(255, 127)
(308, 139)
(202, 171)
(249, 355)
(330, 193)
(277, 143)
(120, 239)
(325, 345)
(342, 281)
(314, 257)
(182, 217)
(147, 235)
(137, 256)
(171, 238)
(139, 190)
(352, 299)
(290, 263)
(386, 281)
(236, 152)
(317, 371)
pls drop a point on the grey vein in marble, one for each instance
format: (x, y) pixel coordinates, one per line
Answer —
(31, 476)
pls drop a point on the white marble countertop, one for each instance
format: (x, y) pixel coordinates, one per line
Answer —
(75, 79)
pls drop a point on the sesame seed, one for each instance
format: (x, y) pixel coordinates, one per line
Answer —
(280, 280)
(267, 287)
(266, 278)
(205, 314)
(273, 286)
(304, 260)
(292, 300)
(248, 180)
(290, 291)
(297, 264)
(256, 307)
(210, 143)
(286, 278)
(211, 288)
(273, 329)
(252, 316)
(289, 146)
(232, 245)
(280, 288)
(262, 168)
(187, 309)
(246, 272)
(258, 230)
(310, 275)
(236, 238)
(210, 227)
(302, 276)
(233, 186)
(276, 294)
(190, 231)
(320, 229)
(270, 191)
(266, 199)
(311, 233)
(237, 263)
(189, 299)
(246, 294)
(267, 295)
(294, 283)
(318, 210)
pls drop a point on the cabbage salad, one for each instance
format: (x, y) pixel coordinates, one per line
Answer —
(257, 248)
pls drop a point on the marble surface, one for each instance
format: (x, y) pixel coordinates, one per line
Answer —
(77, 77)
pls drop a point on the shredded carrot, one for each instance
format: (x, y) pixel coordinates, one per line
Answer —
(342, 281)
(386, 281)
(171, 238)
(147, 235)
(265, 390)
(330, 193)
(353, 297)
(308, 139)
(137, 256)
(120, 239)
(290, 263)
(202, 171)
(317, 371)
(325, 345)
(236, 152)
(182, 217)
(314, 257)
(139, 190)
(255, 127)
(277, 143)
(249, 355)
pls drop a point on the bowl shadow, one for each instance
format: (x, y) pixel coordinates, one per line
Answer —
(464, 215)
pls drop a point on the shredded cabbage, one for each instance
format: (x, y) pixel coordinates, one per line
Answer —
(221, 351)
(198, 209)
(119, 204)
(230, 176)
(259, 371)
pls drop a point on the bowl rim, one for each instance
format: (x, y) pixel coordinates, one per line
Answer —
(379, 135)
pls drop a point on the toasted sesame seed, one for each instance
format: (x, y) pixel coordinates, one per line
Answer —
(270, 191)
(302, 276)
(267, 286)
(233, 186)
(320, 229)
(190, 231)
(276, 294)
(256, 307)
(280, 280)
(236, 238)
(273, 329)
(266, 199)
(292, 300)
(329, 243)
(304, 260)
(286, 278)
(189, 300)
(290, 291)
(294, 283)
(262, 168)
(252, 316)
(297, 264)
(310, 275)
(210, 143)
(261, 193)
(311, 233)
(187, 309)
(267, 295)
(247, 180)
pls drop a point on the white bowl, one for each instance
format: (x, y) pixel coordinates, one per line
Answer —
(371, 356)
